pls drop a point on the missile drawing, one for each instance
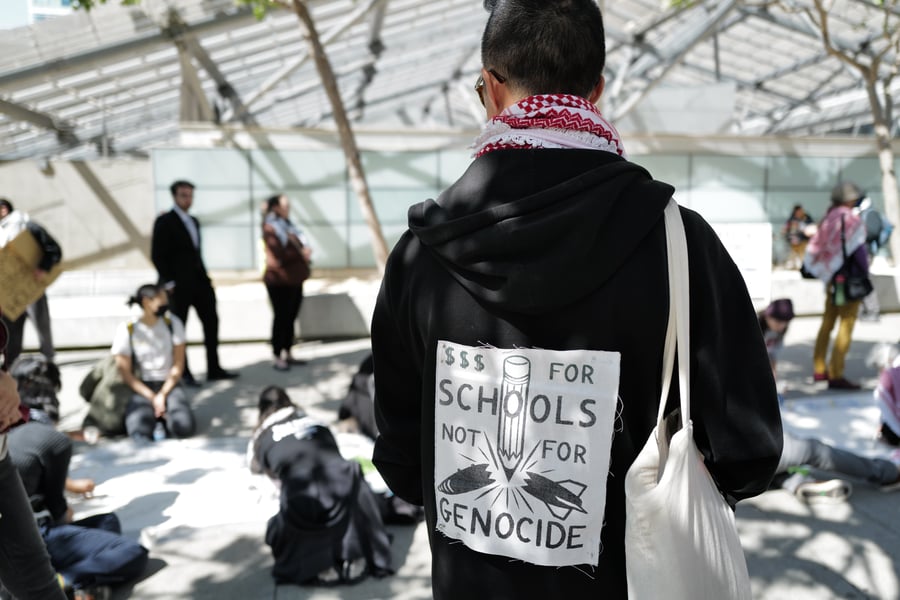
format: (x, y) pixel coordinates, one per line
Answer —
(513, 412)
(471, 478)
(561, 497)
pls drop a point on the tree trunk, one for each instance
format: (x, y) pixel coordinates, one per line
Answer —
(348, 140)
(886, 161)
(889, 186)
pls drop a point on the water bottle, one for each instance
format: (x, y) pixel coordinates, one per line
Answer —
(159, 431)
(840, 294)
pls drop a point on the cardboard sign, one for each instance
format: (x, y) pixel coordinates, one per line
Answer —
(522, 449)
(19, 286)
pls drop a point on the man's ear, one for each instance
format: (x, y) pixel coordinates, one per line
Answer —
(497, 96)
(597, 91)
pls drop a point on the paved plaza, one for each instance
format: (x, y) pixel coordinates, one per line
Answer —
(203, 516)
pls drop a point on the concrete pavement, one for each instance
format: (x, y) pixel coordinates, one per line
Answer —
(203, 516)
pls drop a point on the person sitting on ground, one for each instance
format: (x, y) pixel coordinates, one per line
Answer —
(774, 321)
(149, 354)
(357, 411)
(25, 570)
(91, 553)
(328, 528)
(356, 417)
(799, 454)
(887, 395)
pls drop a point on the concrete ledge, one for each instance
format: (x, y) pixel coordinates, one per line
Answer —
(87, 306)
(808, 295)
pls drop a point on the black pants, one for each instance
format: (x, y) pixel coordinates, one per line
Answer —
(203, 298)
(286, 301)
(40, 316)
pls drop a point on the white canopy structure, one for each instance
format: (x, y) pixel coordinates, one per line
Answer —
(119, 80)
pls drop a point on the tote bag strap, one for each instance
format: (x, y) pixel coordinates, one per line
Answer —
(678, 326)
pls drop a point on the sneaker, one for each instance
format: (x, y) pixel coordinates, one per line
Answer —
(280, 365)
(96, 592)
(833, 490)
(820, 376)
(842, 384)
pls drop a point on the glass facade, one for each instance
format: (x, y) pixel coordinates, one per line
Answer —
(233, 184)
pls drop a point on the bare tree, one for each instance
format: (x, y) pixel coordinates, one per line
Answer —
(877, 62)
(345, 131)
(329, 82)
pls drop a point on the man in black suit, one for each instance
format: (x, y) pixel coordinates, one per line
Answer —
(176, 254)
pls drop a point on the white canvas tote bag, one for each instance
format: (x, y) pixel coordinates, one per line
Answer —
(681, 542)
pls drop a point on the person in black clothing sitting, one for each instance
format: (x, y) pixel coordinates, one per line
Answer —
(90, 553)
(328, 529)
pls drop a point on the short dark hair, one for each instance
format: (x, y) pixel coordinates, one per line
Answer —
(272, 202)
(38, 380)
(545, 46)
(846, 192)
(271, 399)
(180, 183)
(148, 290)
(6, 204)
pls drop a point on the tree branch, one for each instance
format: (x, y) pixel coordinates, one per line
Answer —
(822, 24)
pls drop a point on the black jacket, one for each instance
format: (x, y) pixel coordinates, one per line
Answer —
(174, 255)
(42, 454)
(51, 253)
(562, 250)
(328, 513)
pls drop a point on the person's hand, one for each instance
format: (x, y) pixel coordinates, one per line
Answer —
(9, 401)
(40, 274)
(159, 405)
(85, 487)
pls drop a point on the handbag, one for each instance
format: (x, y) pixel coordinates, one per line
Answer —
(856, 287)
(681, 542)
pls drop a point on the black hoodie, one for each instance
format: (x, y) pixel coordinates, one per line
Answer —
(558, 250)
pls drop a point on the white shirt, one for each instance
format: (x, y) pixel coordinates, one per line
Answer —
(189, 225)
(12, 225)
(153, 346)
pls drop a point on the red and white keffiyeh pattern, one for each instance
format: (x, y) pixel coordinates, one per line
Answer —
(550, 121)
(824, 256)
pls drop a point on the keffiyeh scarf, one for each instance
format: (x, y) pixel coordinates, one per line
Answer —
(824, 257)
(550, 121)
(284, 229)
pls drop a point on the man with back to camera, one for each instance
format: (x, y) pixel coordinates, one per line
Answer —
(518, 333)
(176, 253)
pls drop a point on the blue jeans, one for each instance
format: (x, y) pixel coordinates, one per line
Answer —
(92, 551)
(811, 452)
(25, 569)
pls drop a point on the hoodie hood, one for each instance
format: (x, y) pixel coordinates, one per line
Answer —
(531, 231)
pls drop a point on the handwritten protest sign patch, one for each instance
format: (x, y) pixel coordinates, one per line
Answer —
(522, 449)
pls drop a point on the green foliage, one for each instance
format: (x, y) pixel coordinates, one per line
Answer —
(260, 7)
